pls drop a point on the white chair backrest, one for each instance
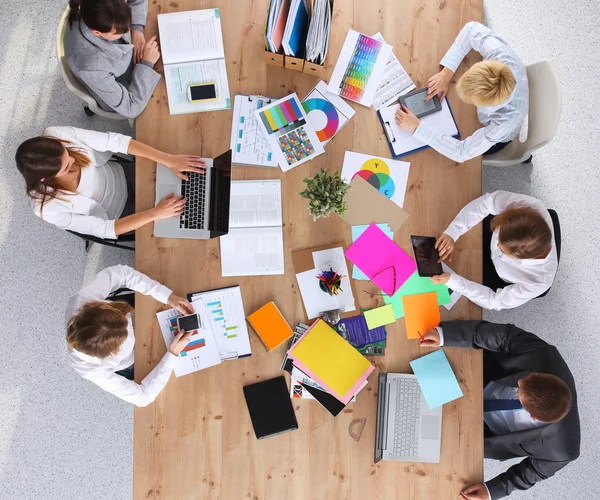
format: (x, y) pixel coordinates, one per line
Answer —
(545, 104)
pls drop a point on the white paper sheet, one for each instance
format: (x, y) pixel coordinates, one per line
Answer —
(394, 82)
(389, 177)
(252, 252)
(249, 145)
(255, 204)
(225, 318)
(193, 35)
(204, 355)
(178, 77)
(454, 295)
(371, 75)
(405, 142)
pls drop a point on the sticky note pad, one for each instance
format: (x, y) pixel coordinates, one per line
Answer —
(415, 285)
(270, 325)
(330, 361)
(380, 316)
(436, 378)
(421, 313)
(384, 262)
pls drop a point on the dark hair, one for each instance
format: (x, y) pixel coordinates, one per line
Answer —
(99, 328)
(101, 15)
(545, 397)
(523, 232)
(41, 158)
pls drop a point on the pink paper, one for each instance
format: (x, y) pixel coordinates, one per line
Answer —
(377, 256)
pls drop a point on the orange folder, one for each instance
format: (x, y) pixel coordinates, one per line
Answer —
(421, 313)
(270, 326)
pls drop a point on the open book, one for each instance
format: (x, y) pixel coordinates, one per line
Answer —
(192, 50)
(254, 245)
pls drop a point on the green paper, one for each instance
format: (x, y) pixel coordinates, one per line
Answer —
(413, 286)
(380, 316)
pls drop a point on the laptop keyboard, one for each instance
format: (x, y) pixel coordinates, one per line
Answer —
(408, 409)
(194, 190)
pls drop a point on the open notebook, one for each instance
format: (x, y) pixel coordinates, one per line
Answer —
(192, 51)
(254, 245)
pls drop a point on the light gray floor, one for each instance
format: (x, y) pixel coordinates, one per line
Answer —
(62, 438)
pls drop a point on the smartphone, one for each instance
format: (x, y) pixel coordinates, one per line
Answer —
(426, 256)
(415, 102)
(202, 92)
(188, 323)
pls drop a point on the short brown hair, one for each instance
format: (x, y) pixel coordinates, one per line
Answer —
(546, 397)
(523, 232)
(99, 328)
(486, 83)
(101, 15)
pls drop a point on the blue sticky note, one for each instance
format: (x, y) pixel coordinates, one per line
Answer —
(357, 274)
(436, 378)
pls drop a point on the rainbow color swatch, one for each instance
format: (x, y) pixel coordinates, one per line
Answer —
(282, 118)
(331, 113)
(296, 146)
(360, 67)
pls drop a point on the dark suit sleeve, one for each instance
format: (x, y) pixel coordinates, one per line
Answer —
(490, 336)
(522, 476)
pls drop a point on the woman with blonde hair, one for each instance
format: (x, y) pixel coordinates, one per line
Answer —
(101, 338)
(522, 259)
(497, 85)
(74, 183)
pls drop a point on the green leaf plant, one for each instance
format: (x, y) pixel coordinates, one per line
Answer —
(325, 194)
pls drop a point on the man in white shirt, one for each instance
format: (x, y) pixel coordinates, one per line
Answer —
(497, 86)
(530, 403)
(105, 331)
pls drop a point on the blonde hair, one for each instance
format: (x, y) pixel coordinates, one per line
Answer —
(486, 83)
(99, 328)
(523, 232)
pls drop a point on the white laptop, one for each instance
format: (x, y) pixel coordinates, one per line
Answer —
(407, 430)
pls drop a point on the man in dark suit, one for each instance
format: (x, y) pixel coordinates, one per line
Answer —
(530, 403)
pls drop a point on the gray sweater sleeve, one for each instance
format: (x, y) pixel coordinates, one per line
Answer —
(139, 13)
(128, 101)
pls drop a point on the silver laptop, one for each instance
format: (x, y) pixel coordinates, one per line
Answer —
(407, 429)
(206, 213)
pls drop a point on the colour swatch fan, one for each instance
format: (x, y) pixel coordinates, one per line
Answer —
(326, 112)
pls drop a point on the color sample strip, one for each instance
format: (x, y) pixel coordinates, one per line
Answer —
(359, 69)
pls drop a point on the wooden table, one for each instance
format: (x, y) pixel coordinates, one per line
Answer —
(196, 440)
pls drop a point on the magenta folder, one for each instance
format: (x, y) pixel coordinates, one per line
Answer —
(384, 262)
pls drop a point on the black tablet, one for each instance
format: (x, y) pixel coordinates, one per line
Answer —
(426, 256)
(415, 102)
(270, 407)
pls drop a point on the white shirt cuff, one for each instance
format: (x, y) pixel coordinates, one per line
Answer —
(453, 233)
(441, 333)
(453, 282)
(488, 490)
(162, 294)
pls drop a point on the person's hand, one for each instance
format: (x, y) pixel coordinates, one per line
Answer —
(138, 40)
(442, 279)
(184, 163)
(179, 342)
(431, 338)
(151, 53)
(445, 246)
(169, 206)
(475, 492)
(438, 84)
(181, 304)
(406, 120)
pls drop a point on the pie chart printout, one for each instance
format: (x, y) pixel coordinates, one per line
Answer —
(377, 173)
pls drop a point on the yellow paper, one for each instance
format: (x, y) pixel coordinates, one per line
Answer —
(331, 358)
(380, 316)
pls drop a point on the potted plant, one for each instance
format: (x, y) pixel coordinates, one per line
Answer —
(325, 194)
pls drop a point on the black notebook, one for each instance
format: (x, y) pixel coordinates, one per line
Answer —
(270, 407)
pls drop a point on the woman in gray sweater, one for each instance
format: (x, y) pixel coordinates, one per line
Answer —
(107, 52)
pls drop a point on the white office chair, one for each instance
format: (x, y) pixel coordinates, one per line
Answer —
(545, 103)
(91, 106)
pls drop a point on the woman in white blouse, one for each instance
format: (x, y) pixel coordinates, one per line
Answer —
(74, 185)
(523, 250)
(101, 339)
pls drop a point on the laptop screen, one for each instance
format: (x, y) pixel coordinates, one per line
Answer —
(220, 193)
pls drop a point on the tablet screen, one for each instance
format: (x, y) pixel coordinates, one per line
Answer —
(426, 255)
(416, 103)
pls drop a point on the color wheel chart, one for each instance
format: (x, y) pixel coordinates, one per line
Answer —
(359, 68)
(377, 173)
(332, 121)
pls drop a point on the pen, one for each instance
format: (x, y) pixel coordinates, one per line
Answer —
(421, 337)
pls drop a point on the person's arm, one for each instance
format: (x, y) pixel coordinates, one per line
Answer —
(522, 476)
(504, 298)
(98, 141)
(139, 14)
(478, 209)
(82, 224)
(177, 163)
(472, 36)
(130, 100)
